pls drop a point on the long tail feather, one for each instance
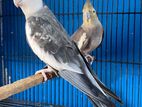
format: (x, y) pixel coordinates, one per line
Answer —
(100, 104)
(105, 89)
(108, 91)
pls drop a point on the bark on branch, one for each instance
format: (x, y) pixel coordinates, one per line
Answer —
(23, 84)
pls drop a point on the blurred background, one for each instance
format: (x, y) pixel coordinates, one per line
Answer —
(118, 60)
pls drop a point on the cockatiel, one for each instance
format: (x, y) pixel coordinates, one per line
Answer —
(49, 41)
(89, 36)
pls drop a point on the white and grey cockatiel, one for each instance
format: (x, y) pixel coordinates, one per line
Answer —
(89, 36)
(49, 41)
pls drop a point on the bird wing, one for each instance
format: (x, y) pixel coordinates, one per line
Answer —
(76, 36)
(83, 83)
(51, 44)
(81, 38)
(47, 39)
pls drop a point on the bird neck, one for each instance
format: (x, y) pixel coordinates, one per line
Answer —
(31, 8)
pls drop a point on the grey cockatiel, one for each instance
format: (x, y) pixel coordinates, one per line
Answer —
(89, 36)
(50, 43)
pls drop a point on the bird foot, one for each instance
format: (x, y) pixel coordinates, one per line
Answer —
(43, 72)
(90, 58)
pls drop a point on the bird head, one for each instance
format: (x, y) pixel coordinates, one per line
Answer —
(89, 13)
(28, 6)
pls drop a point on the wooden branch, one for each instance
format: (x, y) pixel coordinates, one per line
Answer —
(23, 84)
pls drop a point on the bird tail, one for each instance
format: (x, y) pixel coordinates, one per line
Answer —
(97, 103)
(108, 91)
(104, 88)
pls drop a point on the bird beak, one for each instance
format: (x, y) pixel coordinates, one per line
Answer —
(17, 3)
(88, 15)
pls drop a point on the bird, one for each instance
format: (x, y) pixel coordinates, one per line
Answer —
(89, 36)
(50, 42)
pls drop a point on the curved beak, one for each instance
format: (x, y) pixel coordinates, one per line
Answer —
(17, 2)
(88, 15)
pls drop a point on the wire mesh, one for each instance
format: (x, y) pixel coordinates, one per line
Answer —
(119, 58)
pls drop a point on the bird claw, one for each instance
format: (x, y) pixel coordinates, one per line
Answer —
(43, 72)
(90, 58)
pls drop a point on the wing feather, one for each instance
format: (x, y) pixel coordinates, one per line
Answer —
(82, 82)
(62, 54)
(81, 38)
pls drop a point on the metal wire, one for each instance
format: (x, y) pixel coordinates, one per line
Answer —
(118, 60)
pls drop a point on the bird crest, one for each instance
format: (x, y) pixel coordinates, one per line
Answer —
(89, 13)
(88, 6)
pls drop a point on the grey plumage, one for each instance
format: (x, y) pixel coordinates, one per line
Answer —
(50, 43)
(91, 28)
(53, 40)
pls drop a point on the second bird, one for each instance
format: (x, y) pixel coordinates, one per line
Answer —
(89, 36)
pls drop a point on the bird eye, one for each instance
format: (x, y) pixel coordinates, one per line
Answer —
(94, 11)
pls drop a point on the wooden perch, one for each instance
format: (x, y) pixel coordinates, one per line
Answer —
(23, 84)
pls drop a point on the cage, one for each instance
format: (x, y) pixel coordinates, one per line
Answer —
(118, 60)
